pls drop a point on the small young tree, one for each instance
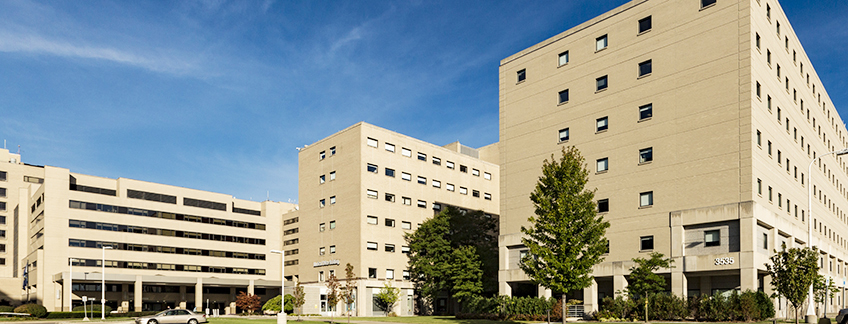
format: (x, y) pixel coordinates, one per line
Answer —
(792, 272)
(332, 295)
(248, 302)
(566, 236)
(349, 291)
(388, 297)
(643, 278)
(823, 289)
(299, 299)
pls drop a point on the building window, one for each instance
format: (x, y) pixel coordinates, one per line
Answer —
(406, 275)
(390, 197)
(371, 246)
(475, 172)
(760, 187)
(390, 222)
(463, 169)
(422, 180)
(487, 176)
(463, 190)
(390, 274)
(322, 203)
(406, 152)
(406, 225)
(646, 155)
(332, 249)
(332, 151)
(422, 204)
(332, 200)
(646, 199)
(601, 43)
(322, 155)
(563, 96)
(437, 161)
(389, 247)
(563, 134)
(437, 184)
(372, 142)
(406, 176)
(372, 220)
(646, 112)
(645, 68)
(449, 186)
(371, 168)
(768, 12)
(758, 90)
(765, 241)
(603, 165)
(372, 273)
(422, 156)
(449, 164)
(758, 41)
(707, 3)
(2, 175)
(332, 225)
(321, 250)
(601, 83)
(437, 206)
(769, 193)
(601, 124)
(404, 249)
(522, 75)
(371, 193)
(712, 238)
(320, 276)
(475, 193)
(390, 147)
(563, 58)
(646, 242)
(332, 175)
(487, 196)
(644, 24)
(407, 201)
(390, 172)
(322, 179)
(603, 205)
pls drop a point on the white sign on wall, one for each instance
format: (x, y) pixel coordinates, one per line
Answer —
(724, 261)
(325, 263)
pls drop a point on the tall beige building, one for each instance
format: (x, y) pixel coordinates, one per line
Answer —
(163, 246)
(697, 119)
(363, 188)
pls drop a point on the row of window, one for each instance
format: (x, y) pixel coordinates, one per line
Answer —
(164, 249)
(73, 223)
(164, 266)
(372, 220)
(423, 157)
(160, 214)
(373, 168)
(646, 199)
(372, 274)
(602, 124)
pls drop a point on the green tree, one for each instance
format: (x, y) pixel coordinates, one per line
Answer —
(299, 299)
(436, 267)
(792, 272)
(349, 290)
(332, 295)
(566, 236)
(273, 304)
(822, 290)
(643, 277)
(388, 297)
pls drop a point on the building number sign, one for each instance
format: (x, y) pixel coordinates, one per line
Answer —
(724, 261)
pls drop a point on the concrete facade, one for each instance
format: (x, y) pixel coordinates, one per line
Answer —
(362, 189)
(697, 123)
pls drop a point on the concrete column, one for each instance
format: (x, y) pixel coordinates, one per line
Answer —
(251, 287)
(619, 283)
(198, 294)
(182, 297)
(590, 299)
(543, 292)
(137, 294)
(748, 279)
(679, 283)
(504, 288)
(66, 287)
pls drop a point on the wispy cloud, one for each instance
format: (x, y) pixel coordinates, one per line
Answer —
(36, 44)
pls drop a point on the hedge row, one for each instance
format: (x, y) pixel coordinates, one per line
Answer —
(511, 308)
(747, 306)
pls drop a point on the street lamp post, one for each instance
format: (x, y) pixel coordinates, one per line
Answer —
(103, 283)
(811, 315)
(281, 316)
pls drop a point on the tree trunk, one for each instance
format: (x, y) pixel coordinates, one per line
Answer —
(564, 309)
(796, 315)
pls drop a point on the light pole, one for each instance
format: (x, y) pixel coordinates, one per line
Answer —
(281, 316)
(71, 284)
(811, 315)
(103, 283)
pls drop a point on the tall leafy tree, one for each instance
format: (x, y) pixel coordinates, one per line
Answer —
(332, 295)
(565, 238)
(348, 293)
(430, 256)
(466, 273)
(643, 277)
(299, 299)
(792, 272)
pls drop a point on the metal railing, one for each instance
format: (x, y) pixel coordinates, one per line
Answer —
(575, 311)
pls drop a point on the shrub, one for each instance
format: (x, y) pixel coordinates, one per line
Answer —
(66, 315)
(32, 309)
(509, 308)
(6, 309)
(92, 308)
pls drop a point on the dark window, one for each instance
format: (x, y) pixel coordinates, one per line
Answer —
(563, 134)
(372, 168)
(602, 124)
(422, 156)
(463, 168)
(645, 68)
(151, 196)
(204, 204)
(645, 24)
(646, 243)
(390, 172)
(712, 238)
(706, 3)
(2, 175)
(646, 155)
(102, 191)
(563, 96)
(522, 75)
(603, 205)
(646, 111)
(601, 83)
(372, 273)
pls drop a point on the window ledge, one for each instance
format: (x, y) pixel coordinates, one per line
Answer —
(520, 82)
(602, 90)
(562, 103)
(646, 162)
(561, 65)
(643, 76)
(601, 131)
(562, 142)
(646, 251)
(645, 32)
(602, 172)
(707, 7)
(644, 119)
(646, 207)
(596, 51)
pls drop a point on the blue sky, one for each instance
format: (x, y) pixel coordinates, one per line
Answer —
(216, 95)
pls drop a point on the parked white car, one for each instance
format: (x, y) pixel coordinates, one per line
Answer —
(173, 316)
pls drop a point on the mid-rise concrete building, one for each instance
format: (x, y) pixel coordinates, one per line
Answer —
(363, 188)
(698, 120)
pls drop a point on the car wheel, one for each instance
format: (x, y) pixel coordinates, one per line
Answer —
(152, 322)
(192, 321)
